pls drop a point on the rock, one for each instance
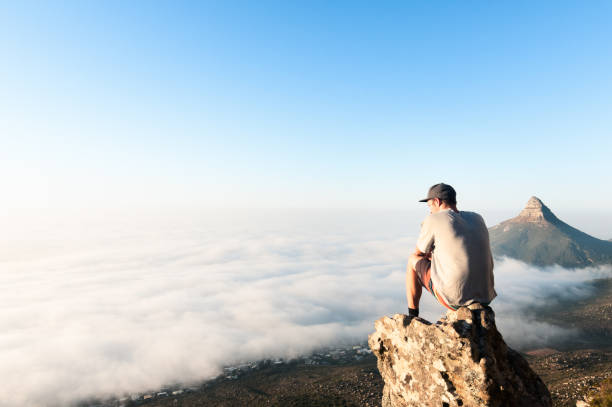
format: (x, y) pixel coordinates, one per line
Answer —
(535, 212)
(462, 360)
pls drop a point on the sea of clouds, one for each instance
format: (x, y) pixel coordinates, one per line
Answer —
(118, 304)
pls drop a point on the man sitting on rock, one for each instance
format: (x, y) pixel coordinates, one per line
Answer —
(453, 258)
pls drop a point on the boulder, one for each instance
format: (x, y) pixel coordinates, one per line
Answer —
(461, 360)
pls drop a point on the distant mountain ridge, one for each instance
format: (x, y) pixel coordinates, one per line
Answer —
(537, 236)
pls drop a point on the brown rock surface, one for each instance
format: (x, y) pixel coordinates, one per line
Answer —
(535, 212)
(462, 360)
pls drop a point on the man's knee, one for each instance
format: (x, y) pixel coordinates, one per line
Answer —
(412, 261)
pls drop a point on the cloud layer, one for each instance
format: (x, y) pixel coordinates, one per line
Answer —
(127, 305)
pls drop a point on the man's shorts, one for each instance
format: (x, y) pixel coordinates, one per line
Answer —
(423, 272)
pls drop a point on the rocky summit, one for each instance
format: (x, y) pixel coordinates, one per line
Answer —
(535, 212)
(537, 236)
(461, 360)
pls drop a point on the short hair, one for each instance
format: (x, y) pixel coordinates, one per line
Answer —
(449, 201)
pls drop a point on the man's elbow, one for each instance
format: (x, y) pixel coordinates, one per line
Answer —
(418, 252)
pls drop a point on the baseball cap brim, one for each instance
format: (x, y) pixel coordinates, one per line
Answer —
(425, 200)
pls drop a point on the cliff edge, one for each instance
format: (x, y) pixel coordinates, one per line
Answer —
(462, 360)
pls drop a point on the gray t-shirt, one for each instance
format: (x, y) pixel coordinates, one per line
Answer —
(461, 261)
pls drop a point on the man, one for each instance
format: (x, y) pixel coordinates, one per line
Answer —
(453, 258)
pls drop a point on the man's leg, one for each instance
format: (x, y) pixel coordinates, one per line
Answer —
(414, 286)
(418, 275)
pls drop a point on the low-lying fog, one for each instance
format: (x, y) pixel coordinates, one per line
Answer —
(127, 304)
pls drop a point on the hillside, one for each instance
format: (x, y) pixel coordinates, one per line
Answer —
(537, 236)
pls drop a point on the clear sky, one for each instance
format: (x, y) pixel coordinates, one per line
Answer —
(310, 105)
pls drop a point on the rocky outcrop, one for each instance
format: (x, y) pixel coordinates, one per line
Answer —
(462, 360)
(535, 212)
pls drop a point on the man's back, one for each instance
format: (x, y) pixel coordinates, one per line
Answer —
(461, 263)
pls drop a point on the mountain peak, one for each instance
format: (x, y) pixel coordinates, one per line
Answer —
(538, 237)
(536, 212)
(535, 201)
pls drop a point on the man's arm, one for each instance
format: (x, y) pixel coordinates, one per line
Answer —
(425, 242)
(421, 254)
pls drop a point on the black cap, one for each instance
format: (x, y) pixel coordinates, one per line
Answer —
(441, 191)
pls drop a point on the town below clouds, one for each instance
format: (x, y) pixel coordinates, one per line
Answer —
(130, 303)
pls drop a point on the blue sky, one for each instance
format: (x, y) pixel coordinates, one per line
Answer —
(308, 105)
